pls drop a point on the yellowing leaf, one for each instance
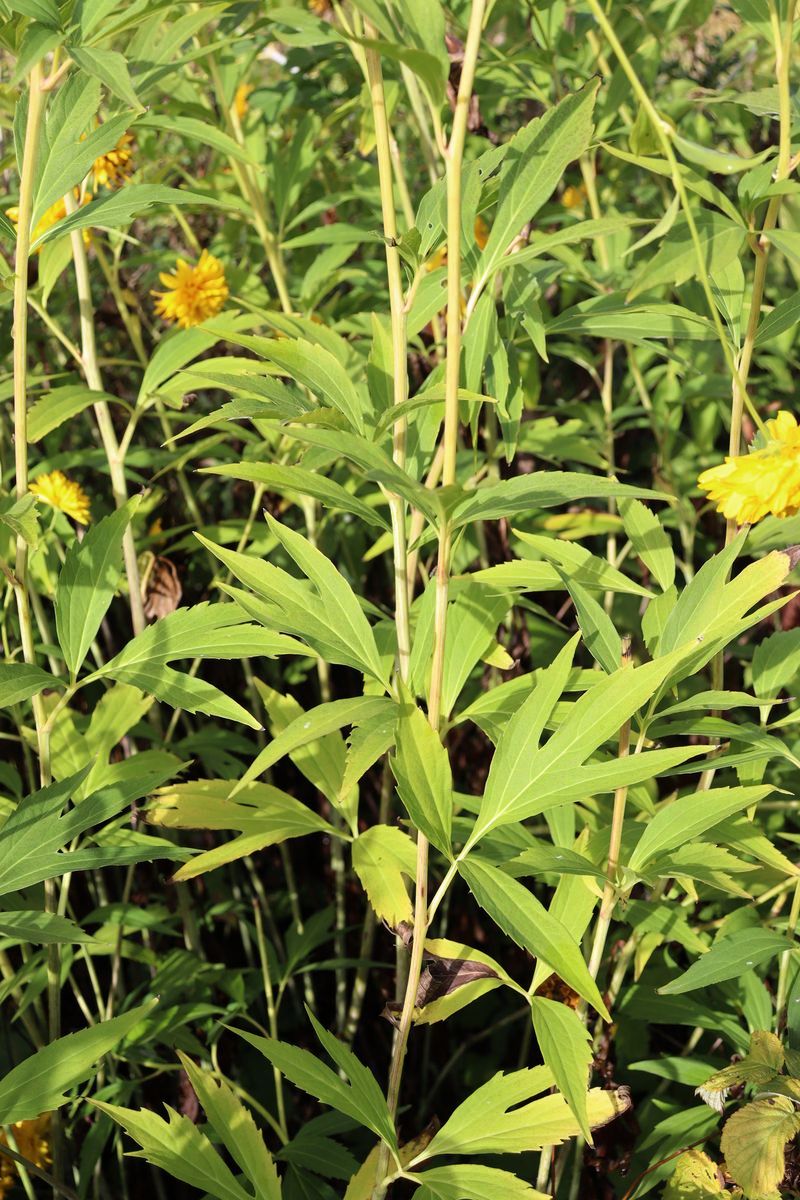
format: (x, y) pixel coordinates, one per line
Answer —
(754, 1140)
(695, 1177)
(381, 857)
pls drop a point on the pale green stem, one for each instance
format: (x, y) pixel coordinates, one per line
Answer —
(105, 425)
(272, 1017)
(455, 154)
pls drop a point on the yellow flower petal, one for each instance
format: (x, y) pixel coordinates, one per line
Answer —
(194, 293)
(63, 493)
(748, 487)
(114, 168)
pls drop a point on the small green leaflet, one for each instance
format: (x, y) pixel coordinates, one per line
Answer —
(360, 1097)
(729, 958)
(20, 681)
(178, 1147)
(686, 818)
(314, 724)
(87, 583)
(519, 914)
(545, 489)
(566, 1049)
(532, 166)
(236, 1129)
(120, 208)
(39, 1084)
(473, 1181)
(422, 769)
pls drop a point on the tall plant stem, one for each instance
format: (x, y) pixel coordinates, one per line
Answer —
(397, 506)
(91, 370)
(455, 156)
(618, 816)
(253, 194)
(33, 129)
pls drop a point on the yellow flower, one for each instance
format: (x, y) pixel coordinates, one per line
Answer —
(750, 486)
(195, 293)
(116, 166)
(64, 494)
(33, 1143)
(320, 8)
(240, 105)
(573, 197)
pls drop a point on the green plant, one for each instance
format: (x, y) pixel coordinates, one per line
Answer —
(471, 295)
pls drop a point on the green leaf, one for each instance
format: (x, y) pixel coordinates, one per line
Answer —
(676, 259)
(315, 724)
(520, 915)
(236, 1130)
(612, 316)
(762, 1063)
(263, 815)
(544, 489)
(776, 662)
(41, 928)
(37, 42)
(382, 856)
(314, 367)
(424, 782)
(178, 1147)
(566, 1049)
(181, 690)
(45, 11)
(323, 609)
(198, 131)
(71, 157)
(323, 761)
(753, 1142)
(696, 1177)
(472, 1181)
(20, 516)
(729, 958)
(684, 819)
(601, 638)
(430, 68)
(33, 835)
(362, 1101)
(532, 166)
(649, 540)
(277, 478)
(20, 681)
(120, 208)
(577, 563)
(374, 462)
(203, 631)
(39, 1084)
(87, 583)
(552, 774)
(60, 405)
(110, 67)
(338, 598)
(783, 317)
(494, 1119)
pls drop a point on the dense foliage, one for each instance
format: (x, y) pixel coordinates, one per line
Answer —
(400, 636)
